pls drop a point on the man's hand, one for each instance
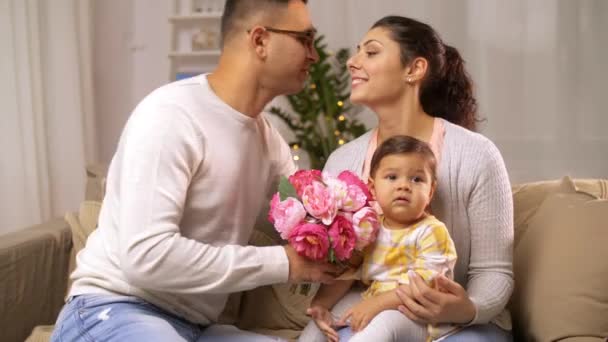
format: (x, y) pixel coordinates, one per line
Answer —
(361, 314)
(324, 321)
(302, 269)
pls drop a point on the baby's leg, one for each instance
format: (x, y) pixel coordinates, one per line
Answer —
(391, 325)
(438, 332)
(312, 333)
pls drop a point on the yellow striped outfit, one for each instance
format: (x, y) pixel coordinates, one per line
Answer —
(424, 247)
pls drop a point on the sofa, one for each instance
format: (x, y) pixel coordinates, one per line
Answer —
(560, 268)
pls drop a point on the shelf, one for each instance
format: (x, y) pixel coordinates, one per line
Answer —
(206, 53)
(196, 16)
(194, 37)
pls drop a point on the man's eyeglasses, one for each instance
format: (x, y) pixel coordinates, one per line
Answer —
(306, 38)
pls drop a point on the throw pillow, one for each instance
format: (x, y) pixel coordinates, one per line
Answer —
(528, 197)
(81, 226)
(561, 268)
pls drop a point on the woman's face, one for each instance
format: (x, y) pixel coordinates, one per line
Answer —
(378, 77)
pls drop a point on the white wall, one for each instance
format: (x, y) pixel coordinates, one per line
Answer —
(539, 68)
(46, 116)
(112, 71)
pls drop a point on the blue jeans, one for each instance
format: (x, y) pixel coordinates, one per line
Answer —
(97, 317)
(474, 333)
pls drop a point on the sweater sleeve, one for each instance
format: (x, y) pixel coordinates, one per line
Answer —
(490, 212)
(159, 154)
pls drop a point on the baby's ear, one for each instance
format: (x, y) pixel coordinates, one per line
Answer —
(433, 187)
(371, 187)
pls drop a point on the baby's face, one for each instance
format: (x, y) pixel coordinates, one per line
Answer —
(403, 187)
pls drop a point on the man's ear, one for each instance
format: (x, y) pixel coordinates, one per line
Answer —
(258, 40)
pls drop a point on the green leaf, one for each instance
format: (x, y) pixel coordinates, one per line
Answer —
(332, 256)
(286, 190)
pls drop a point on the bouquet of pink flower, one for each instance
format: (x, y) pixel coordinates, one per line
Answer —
(324, 217)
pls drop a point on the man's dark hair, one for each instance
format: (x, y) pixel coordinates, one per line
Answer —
(403, 144)
(237, 10)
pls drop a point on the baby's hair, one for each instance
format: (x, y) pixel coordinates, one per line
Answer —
(403, 144)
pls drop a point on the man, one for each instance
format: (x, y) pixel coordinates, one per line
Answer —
(193, 169)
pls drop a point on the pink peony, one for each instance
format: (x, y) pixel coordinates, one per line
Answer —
(285, 215)
(319, 202)
(310, 240)
(342, 237)
(303, 178)
(366, 226)
(338, 188)
(355, 199)
(352, 179)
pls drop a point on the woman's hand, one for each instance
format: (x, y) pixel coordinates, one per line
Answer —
(324, 320)
(448, 303)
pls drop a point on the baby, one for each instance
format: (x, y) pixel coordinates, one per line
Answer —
(402, 181)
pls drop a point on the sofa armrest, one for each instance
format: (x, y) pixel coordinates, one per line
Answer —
(33, 277)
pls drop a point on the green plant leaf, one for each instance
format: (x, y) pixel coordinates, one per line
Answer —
(286, 190)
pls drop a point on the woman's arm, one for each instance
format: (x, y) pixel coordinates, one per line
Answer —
(490, 212)
(430, 296)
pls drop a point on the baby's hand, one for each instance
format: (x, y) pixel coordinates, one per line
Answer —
(324, 320)
(359, 316)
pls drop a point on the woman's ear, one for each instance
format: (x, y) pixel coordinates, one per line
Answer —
(417, 70)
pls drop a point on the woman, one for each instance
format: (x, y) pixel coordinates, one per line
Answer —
(417, 86)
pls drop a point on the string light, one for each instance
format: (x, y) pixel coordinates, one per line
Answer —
(340, 103)
(295, 147)
(313, 86)
(337, 133)
(296, 158)
(341, 142)
(341, 118)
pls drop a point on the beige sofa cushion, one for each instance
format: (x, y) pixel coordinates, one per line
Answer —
(81, 225)
(33, 268)
(528, 197)
(561, 267)
(41, 333)
(96, 182)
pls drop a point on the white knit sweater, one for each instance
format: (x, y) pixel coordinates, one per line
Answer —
(184, 189)
(474, 200)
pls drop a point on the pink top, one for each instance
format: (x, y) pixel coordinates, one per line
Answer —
(436, 143)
